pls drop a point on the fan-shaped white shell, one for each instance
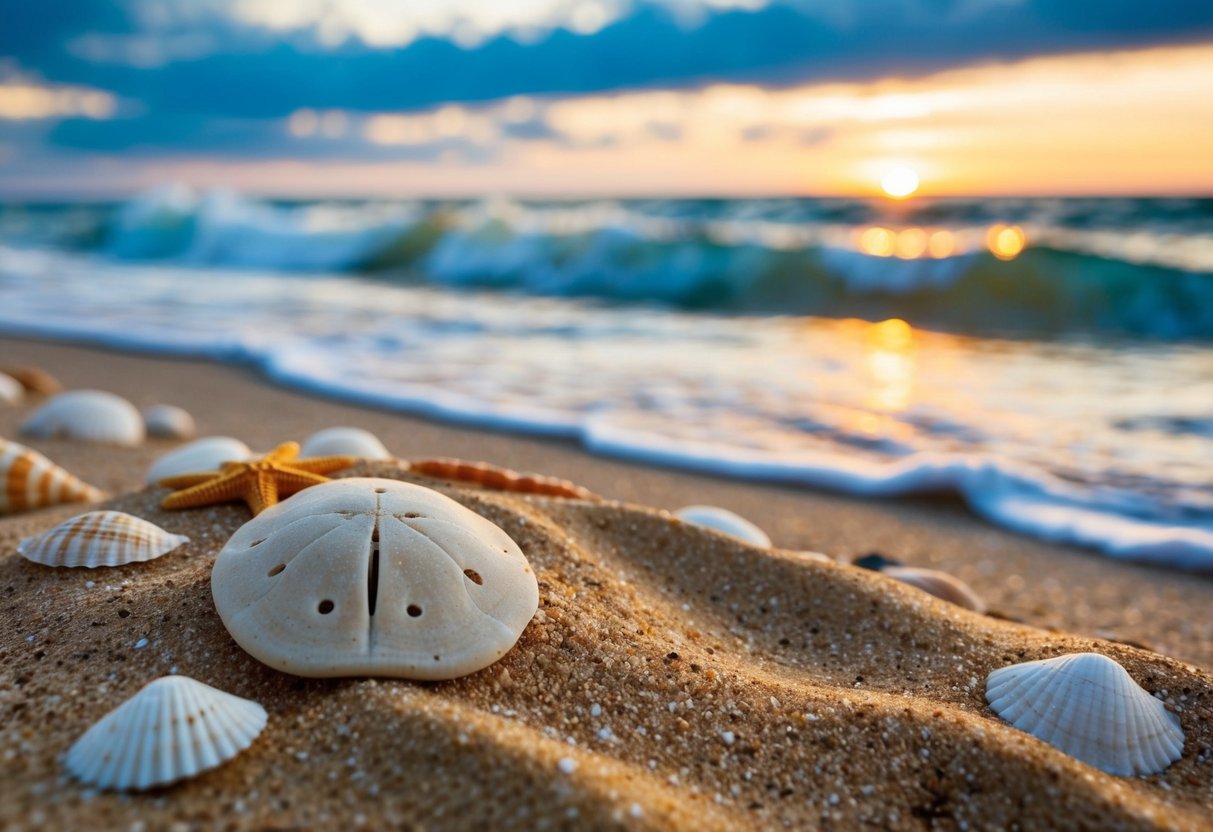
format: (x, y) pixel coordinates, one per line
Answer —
(205, 454)
(723, 520)
(373, 577)
(170, 422)
(344, 442)
(11, 390)
(100, 538)
(940, 584)
(30, 480)
(1088, 706)
(89, 416)
(175, 727)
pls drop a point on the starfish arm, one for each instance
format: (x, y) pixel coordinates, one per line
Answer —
(290, 481)
(323, 464)
(217, 489)
(262, 491)
(187, 480)
(285, 452)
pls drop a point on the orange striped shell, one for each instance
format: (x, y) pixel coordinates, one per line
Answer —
(498, 479)
(32, 481)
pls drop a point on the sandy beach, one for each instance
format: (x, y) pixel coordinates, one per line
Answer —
(672, 679)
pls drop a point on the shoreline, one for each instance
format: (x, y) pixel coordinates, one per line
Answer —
(671, 679)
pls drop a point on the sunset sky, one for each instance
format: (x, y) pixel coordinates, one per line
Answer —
(606, 97)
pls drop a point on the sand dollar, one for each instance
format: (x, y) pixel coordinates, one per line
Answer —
(373, 577)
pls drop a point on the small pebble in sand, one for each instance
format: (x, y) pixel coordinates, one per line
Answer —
(567, 765)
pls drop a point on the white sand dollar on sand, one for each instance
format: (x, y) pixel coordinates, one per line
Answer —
(173, 728)
(87, 416)
(344, 441)
(100, 538)
(1088, 706)
(373, 577)
(205, 454)
(723, 520)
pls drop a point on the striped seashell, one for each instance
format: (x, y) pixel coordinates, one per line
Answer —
(498, 479)
(1088, 706)
(87, 416)
(32, 481)
(723, 520)
(174, 728)
(169, 422)
(100, 538)
(344, 442)
(11, 391)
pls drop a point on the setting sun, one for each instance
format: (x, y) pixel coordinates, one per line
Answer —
(899, 183)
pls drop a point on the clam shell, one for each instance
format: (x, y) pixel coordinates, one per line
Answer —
(1088, 706)
(100, 538)
(169, 422)
(723, 520)
(344, 442)
(88, 416)
(205, 454)
(940, 584)
(33, 481)
(175, 727)
(11, 391)
(373, 577)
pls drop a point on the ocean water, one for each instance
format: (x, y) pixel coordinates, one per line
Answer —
(1050, 361)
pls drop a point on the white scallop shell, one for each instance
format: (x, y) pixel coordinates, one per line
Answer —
(940, 584)
(344, 442)
(100, 538)
(1088, 706)
(205, 454)
(174, 728)
(723, 520)
(169, 422)
(88, 416)
(373, 577)
(28, 480)
(11, 390)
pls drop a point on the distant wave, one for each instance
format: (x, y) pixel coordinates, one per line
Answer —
(1120, 267)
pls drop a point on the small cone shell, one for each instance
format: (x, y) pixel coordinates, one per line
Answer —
(1088, 706)
(100, 538)
(34, 380)
(175, 727)
(32, 481)
(940, 584)
(723, 520)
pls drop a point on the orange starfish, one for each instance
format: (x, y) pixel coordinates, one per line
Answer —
(259, 482)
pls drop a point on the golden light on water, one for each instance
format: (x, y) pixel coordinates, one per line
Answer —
(911, 244)
(942, 244)
(900, 183)
(1006, 241)
(890, 365)
(877, 241)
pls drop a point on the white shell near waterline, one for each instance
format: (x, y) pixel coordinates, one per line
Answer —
(174, 728)
(28, 480)
(723, 520)
(940, 584)
(11, 390)
(169, 422)
(1088, 706)
(373, 577)
(805, 554)
(344, 442)
(100, 538)
(87, 416)
(205, 454)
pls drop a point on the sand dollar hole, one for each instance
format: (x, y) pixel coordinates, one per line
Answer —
(326, 606)
(380, 490)
(413, 610)
(474, 576)
(277, 570)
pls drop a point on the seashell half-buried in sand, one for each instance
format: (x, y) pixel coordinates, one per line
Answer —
(174, 728)
(344, 441)
(169, 422)
(100, 538)
(11, 391)
(87, 416)
(373, 577)
(205, 454)
(723, 520)
(28, 480)
(34, 380)
(1088, 706)
(932, 581)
